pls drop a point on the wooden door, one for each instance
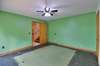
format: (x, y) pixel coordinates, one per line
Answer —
(39, 33)
(35, 34)
(43, 33)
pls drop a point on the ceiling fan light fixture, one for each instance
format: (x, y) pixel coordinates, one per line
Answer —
(47, 14)
(47, 9)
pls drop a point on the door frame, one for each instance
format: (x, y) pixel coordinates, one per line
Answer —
(97, 33)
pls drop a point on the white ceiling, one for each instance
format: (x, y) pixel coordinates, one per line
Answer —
(65, 7)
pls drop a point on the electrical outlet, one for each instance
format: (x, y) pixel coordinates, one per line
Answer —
(29, 33)
(3, 47)
(22, 61)
(54, 33)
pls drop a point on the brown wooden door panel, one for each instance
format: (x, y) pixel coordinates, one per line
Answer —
(39, 33)
(43, 33)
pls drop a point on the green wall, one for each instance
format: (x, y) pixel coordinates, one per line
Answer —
(15, 31)
(77, 31)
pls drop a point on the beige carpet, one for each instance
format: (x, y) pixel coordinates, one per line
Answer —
(47, 56)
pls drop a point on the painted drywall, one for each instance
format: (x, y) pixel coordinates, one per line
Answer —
(15, 31)
(77, 31)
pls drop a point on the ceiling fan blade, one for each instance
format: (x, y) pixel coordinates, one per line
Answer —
(54, 11)
(40, 11)
(43, 14)
(51, 14)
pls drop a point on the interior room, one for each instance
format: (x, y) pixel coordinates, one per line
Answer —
(49, 32)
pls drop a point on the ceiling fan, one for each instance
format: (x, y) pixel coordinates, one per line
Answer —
(47, 11)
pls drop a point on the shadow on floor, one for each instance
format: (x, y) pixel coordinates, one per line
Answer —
(83, 59)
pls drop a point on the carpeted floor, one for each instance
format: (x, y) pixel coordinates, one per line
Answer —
(50, 56)
(8, 61)
(83, 59)
(47, 56)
